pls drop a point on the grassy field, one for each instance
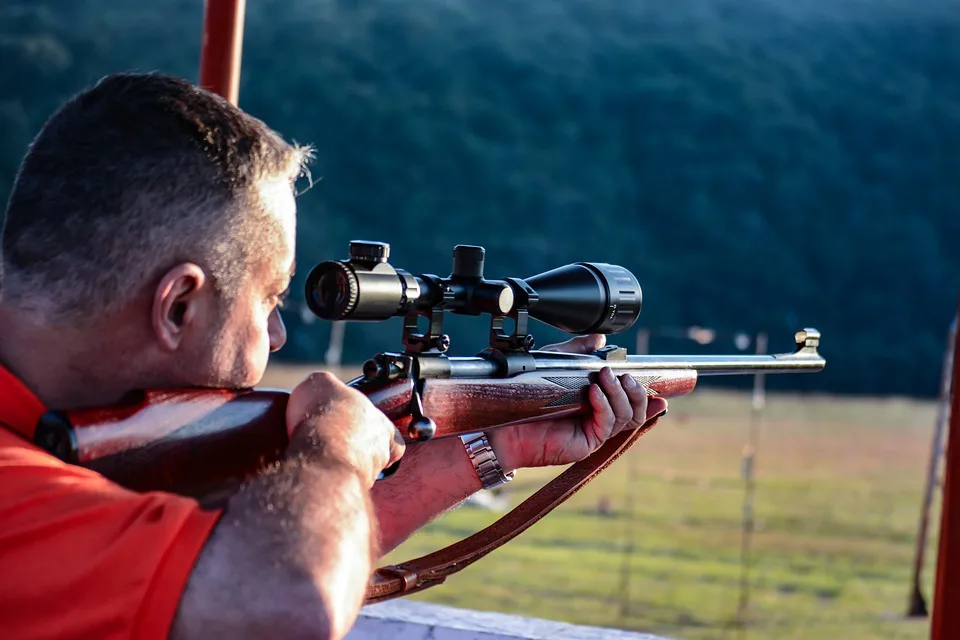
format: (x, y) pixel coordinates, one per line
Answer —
(839, 484)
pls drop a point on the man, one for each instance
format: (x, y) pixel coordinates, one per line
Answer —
(148, 241)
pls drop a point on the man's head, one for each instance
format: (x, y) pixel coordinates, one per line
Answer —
(147, 199)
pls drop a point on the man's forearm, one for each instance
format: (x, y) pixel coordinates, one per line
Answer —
(290, 557)
(433, 477)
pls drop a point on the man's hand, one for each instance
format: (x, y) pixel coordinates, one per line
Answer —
(292, 555)
(327, 418)
(617, 404)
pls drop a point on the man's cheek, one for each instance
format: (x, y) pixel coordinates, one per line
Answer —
(258, 355)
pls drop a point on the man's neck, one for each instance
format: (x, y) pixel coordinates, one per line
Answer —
(66, 368)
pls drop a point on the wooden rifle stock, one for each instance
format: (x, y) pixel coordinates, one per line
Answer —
(199, 442)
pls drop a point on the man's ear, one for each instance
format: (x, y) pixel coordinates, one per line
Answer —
(177, 303)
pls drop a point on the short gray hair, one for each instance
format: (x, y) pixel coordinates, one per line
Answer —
(128, 178)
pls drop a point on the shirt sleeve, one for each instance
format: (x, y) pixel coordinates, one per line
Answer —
(84, 558)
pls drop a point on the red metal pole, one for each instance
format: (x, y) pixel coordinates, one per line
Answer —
(917, 605)
(222, 47)
(946, 619)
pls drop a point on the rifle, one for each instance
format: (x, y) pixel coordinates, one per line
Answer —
(198, 442)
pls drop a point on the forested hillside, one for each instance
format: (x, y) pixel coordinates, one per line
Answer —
(760, 165)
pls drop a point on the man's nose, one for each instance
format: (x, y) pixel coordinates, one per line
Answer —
(277, 331)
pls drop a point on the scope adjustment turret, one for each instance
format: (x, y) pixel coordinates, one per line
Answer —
(365, 251)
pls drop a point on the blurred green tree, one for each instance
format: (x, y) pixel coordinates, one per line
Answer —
(759, 164)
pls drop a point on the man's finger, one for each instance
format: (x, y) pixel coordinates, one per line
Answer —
(639, 400)
(602, 412)
(656, 407)
(397, 447)
(619, 402)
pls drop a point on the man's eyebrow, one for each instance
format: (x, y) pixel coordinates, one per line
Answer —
(284, 276)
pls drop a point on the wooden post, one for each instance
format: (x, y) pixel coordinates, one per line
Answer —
(946, 618)
(748, 457)
(629, 507)
(222, 47)
(334, 352)
(643, 342)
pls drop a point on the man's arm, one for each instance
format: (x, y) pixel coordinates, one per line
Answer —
(433, 478)
(292, 554)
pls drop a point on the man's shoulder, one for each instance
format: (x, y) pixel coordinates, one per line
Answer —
(16, 452)
(32, 481)
(121, 558)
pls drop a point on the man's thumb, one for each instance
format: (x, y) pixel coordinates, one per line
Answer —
(656, 407)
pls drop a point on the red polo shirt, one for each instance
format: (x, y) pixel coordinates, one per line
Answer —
(81, 557)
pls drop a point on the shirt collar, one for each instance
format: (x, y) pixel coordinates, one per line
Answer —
(20, 409)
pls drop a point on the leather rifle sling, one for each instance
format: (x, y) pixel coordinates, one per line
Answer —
(428, 571)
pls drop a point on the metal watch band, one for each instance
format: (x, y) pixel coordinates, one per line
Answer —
(485, 460)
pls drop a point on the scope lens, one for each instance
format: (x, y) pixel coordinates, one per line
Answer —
(332, 290)
(348, 291)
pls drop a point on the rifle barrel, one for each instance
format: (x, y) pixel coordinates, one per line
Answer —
(805, 358)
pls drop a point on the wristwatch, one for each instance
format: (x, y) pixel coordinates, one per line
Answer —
(485, 460)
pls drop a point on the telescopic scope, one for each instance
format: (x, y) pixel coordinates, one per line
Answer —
(579, 298)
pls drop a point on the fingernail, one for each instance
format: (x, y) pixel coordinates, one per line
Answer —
(630, 382)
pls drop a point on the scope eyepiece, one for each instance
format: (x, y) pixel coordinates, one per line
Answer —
(333, 290)
(579, 298)
(365, 287)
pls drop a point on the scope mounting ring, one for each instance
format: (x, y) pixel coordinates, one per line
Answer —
(433, 340)
(519, 340)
